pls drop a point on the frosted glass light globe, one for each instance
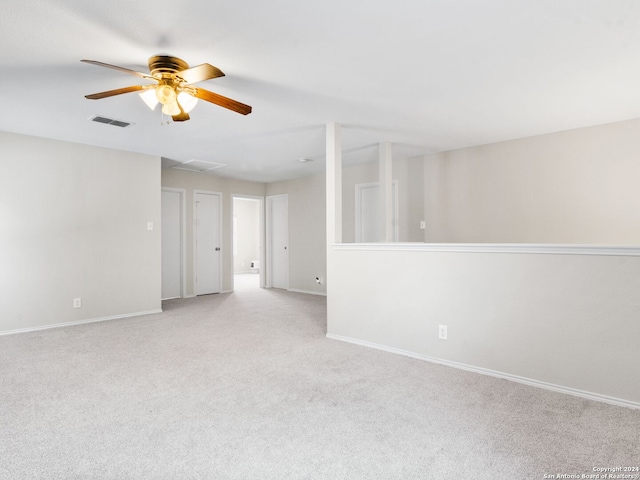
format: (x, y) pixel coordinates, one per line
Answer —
(171, 109)
(187, 102)
(165, 94)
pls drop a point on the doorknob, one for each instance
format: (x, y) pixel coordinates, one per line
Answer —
(285, 248)
(217, 249)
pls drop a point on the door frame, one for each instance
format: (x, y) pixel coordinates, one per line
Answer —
(269, 242)
(183, 237)
(358, 219)
(262, 257)
(220, 237)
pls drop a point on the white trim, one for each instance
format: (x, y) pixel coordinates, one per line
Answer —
(493, 373)
(79, 322)
(220, 220)
(183, 238)
(308, 292)
(269, 242)
(528, 248)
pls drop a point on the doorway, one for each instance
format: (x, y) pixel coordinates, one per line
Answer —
(278, 241)
(207, 238)
(368, 226)
(248, 242)
(173, 209)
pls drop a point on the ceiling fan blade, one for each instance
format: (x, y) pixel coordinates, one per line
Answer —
(200, 73)
(182, 116)
(111, 93)
(121, 69)
(225, 102)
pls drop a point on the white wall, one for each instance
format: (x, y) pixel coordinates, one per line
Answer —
(247, 218)
(73, 223)
(577, 186)
(307, 231)
(191, 181)
(565, 321)
(307, 255)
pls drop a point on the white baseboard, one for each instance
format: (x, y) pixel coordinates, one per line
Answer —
(493, 373)
(295, 290)
(205, 294)
(78, 322)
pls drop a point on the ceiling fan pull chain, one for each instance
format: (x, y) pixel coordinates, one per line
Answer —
(162, 121)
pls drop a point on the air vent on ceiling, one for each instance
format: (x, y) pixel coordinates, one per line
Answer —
(110, 121)
(198, 166)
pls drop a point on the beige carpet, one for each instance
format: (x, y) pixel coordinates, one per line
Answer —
(246, 386)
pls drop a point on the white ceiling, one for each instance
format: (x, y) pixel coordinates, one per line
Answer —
(427, 75)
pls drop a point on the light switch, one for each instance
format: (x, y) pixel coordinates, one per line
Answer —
(149, 225)
(422, 224)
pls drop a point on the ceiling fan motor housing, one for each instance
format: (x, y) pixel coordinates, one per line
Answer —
(164, 66)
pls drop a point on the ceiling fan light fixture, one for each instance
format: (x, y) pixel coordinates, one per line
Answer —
(174, 78)
(187, 101)
(149, 97)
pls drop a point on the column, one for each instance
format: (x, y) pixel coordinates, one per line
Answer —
(386, 203)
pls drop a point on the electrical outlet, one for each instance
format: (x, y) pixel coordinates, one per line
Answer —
(77, 302)
(442, 332)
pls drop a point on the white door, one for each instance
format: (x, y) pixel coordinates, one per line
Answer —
(171, 244)
(278, 240)
(368, 212)
(207, 235)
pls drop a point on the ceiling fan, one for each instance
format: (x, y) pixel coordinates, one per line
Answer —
(174, 87)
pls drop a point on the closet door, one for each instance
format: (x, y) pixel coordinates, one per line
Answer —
(208, 242)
